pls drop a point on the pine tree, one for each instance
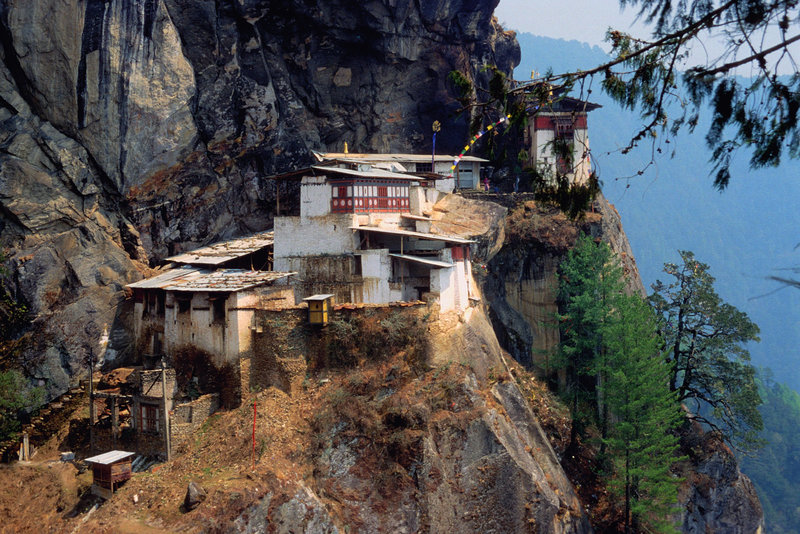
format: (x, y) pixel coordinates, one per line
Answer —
(613, 364)
(641, 442)
(705, 337)
(591, 278)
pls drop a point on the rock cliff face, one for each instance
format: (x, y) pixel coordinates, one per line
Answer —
(716, 497)
(520, 283)
(133, 129)
(481, 464)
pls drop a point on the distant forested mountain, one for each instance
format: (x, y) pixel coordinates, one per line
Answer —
(776, 468)
(745, 233)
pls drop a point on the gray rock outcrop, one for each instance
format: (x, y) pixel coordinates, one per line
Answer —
(716, 496)
(303, 512)
(135, 129)
(482, 463)
(195, 495)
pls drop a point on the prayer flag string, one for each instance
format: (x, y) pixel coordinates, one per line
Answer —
(472, 142)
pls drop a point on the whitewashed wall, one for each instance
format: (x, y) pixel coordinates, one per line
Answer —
(468, 175)
(417, 201)
(442, 284)
(376, 270)
(296, 236)
(315, 196)
(196, 327)
(226, 340)
(542, 152)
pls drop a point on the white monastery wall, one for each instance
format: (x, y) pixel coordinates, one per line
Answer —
(442, 284)
(315, 197)
(297, 236)
(376, 271)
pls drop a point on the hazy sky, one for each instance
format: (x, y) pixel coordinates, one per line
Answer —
(582, 20)
(587, 21)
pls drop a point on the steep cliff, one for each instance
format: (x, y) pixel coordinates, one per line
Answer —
(375, 440)
(133, 129)
(521, 281)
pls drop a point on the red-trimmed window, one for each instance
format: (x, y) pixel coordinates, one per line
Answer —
(368, 197)
(148, 418)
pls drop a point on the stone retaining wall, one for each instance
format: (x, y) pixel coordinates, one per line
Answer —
(285, 345)
(188, 417)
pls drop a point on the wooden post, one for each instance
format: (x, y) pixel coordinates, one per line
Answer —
(402, 272)
(164, 405)
(114, 419)
(92, 414)
(254, 435)
(26, 451)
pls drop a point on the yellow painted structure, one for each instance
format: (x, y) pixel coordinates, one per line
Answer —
(319, 308)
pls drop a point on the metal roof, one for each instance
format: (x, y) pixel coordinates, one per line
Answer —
(195, 279)
(424, 261)
(409, 233)
(320, 296)
(109, 457)
(224, 251)
(415, 217)
(400, 158)
(393, 166)
(228, 280)
(172, 276)
(371, 173)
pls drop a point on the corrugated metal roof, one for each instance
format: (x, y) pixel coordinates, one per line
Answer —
(424, 261)
(195, 279)
(407, 158)
(228, 280)
(109, 457)
(172, 276)
(224, 251)
(393, 166)
(319, 296)
(409, 233)
(371, 173)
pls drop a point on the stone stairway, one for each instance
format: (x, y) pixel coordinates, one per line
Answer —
(46, 422)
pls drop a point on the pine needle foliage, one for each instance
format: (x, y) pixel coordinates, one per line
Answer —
(641, 442)
(590, 281)
(706, 349)
(618, 380)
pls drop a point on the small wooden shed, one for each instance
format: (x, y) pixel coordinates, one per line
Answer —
(109, 471)
(319, 308)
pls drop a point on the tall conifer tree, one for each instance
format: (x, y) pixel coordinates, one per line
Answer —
(706, 349)
(615, 369)
(591, 278)
(641, 442)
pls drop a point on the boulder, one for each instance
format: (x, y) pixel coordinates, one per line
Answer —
(195, 495)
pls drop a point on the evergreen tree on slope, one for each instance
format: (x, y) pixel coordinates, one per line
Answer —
(705, 340)
(641, 442)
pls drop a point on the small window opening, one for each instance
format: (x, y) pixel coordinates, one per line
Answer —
(160, 302)
(218, 307)
(149, 416)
